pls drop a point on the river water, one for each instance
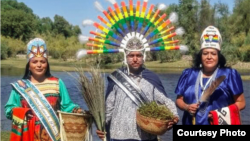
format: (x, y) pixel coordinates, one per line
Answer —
(169, 81)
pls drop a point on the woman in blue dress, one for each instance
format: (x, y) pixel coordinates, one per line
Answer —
(208, 65)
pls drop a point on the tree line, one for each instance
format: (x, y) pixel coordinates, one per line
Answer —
(19, 24)
(234, 26)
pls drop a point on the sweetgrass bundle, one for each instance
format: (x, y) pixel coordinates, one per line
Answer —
(154, 110)
(153, 118)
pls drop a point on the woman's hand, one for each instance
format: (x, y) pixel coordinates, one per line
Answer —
(29, 115)
(80, 111)
(192, 108)
(101, 134)
(210, 116)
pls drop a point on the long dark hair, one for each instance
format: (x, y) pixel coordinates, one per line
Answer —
(27, 72)
(197, 60)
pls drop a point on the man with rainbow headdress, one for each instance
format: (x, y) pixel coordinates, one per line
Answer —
(121, 100)
(131, 32)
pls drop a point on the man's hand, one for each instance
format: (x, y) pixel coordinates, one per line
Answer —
(101, 134)
(171, 123)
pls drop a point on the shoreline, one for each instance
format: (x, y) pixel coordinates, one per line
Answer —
(12, 64)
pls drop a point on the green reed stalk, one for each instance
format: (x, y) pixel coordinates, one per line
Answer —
(92, 88)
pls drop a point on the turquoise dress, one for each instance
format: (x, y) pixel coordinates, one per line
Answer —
(222, 96)
(57, 96)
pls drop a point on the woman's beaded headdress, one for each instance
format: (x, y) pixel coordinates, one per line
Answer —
(36, 48)
(211, 38)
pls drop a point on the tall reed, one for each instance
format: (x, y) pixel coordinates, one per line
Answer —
(92, 86)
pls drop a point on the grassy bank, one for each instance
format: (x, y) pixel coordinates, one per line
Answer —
(5, 135)
(55, 64)
(169, 67)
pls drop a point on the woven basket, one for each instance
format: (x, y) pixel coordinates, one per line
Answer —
(151, 125)
(74, 126)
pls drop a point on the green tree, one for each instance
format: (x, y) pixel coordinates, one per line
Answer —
(61, 26)
(76, 30)
(222, 20)
(4, 50)
(206, 15)
(188, 10)
(239, 28)
(13, 4)
(241, 16)
(45, 25)
(17, 20)
(17, 24)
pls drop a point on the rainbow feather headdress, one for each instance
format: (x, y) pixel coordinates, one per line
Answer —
(127, 22)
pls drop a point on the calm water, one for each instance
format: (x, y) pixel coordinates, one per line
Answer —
(169, 80)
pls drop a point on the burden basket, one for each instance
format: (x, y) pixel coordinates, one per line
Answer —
(151, 125)
(75, 126)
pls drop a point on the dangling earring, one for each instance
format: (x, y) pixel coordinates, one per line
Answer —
(29, 73)
(200, 65)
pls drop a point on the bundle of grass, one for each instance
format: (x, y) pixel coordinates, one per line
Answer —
(92, 88)
(153, 118)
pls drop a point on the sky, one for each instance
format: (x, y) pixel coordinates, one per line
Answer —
(75, 11)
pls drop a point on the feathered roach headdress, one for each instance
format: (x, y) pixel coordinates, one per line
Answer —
(126, 24)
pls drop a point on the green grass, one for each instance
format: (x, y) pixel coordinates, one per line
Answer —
(245, 77)
(156, 66)
(55, 65)
(5, 135)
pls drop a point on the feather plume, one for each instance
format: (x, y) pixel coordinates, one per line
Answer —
(98, 6)
(183, 49)
(180, 31)
(83, 39)
(173, 17)
(87, 22)
(209, 91)
(111, 1)
(81, 53)
(162, 6)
